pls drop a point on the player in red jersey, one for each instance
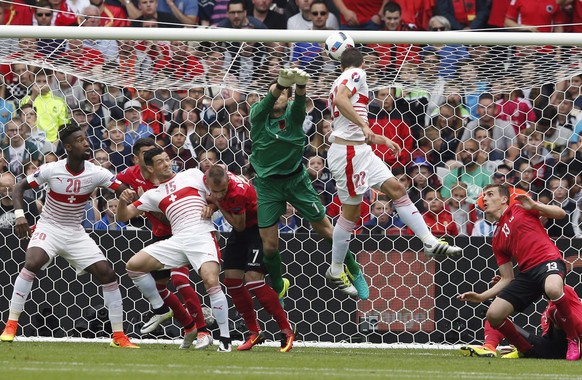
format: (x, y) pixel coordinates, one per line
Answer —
(243, 257)
(139, 180)
(59, 231)
(181, 197)
(520, 235)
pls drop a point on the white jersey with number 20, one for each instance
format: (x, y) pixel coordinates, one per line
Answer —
(355, 80)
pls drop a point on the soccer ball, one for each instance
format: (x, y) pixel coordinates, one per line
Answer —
(337, 43)
(207, 312)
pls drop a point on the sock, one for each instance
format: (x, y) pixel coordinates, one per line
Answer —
(510, 333)
(114, 305)
(22, 287)
(342, 234)
(181, 281)
(350, 262)
(243, 302)
(413, 219)
(567, 323)
(270, 301)
(493, 337)
(273, 265)
(147, 286)
(219, 309)
(173, 302)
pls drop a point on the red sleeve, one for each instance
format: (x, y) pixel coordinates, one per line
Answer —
(236, 204)
(560, 17)
(513, 10)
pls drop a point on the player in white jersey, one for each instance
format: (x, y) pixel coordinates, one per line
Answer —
(59, 231)
(182, 199)
(356, 168)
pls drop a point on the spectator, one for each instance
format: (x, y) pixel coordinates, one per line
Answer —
(17, 12)
(450, 57)
(67, 87)
(16, 149)
(564, 227)
(101, 158)
(189, 118)
(470, 172)
(416, 13)
(303, 19)
(359, 15)
(464, 14)
(289, 222)
(37, 136)
(117, 147)
(151, 114)
(31, 207)
(134, 65)
(43, 16)
(111, 15)
(51, 110)
(212, 12)
(321, 178)
(525, 177)
(382, 221)
(82, 58)
(319, 143)
(464, 213)
(391, 56)
(135, 128)
(109, 216)
(180, 156)
(538, 157)
(149, 9)
(108, 48)
(503, 139)
(438, 219)
(422, 179)
(240, 134)
(234, 160)
(386, 120)
(516, 109)
(182, 64)
(261, 10)
(97, 108)
(535, 16)
(185, 11)
(308, 55)
(83, 116)
(556, 138)
(221, 85)
(449, 124)
(20, 83)
(206, 158)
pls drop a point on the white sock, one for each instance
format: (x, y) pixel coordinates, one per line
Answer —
(147, 286)
(114, 305)
(22, 287)
(342, 234)
(413, 219)
(219, 309)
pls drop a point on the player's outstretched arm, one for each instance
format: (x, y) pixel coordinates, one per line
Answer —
(506, 275)
(547, 211)
(21, 227)
(126, 210)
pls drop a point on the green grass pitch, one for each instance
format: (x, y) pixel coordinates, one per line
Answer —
(85, 361)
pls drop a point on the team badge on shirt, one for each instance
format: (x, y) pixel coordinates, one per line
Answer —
(355, 76)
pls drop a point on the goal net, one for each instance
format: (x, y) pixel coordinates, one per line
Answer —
(504, 105)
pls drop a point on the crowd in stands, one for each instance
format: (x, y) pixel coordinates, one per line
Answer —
(452, 145)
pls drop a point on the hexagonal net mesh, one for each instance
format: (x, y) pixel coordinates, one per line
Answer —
(464, 115)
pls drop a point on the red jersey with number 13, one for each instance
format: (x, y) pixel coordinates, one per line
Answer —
(241, 197)
(520, 234)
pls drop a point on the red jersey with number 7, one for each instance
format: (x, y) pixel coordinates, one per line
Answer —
(520, 234)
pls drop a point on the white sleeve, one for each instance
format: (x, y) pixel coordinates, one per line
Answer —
(147, 202)
(40, 176)
(106, 179)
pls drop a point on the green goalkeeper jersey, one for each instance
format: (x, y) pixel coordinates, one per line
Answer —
(278, 144)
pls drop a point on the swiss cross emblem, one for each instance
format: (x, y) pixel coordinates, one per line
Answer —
(173, 198)
(72, 199)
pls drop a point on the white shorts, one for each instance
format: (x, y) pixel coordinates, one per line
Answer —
(75, 246)
(355, 169)
(180, 250)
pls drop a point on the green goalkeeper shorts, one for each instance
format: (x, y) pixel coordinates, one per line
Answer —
(274, 193)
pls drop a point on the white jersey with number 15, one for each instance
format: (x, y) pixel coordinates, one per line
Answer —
(355, 80)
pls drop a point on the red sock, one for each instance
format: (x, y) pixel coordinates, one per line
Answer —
(270, 301)
(172, 301)
(181, 281)
(513, 336)
(492, 336)
(243, 302)
(566, 321)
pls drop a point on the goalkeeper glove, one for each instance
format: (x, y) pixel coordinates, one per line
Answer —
(301, 77)
(286, 77)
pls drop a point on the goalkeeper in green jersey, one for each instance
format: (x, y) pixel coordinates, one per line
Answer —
(277, 158)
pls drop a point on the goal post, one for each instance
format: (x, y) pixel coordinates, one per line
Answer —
(194, 88)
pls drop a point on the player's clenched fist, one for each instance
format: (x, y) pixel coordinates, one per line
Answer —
(286, 77)
(128, 196)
